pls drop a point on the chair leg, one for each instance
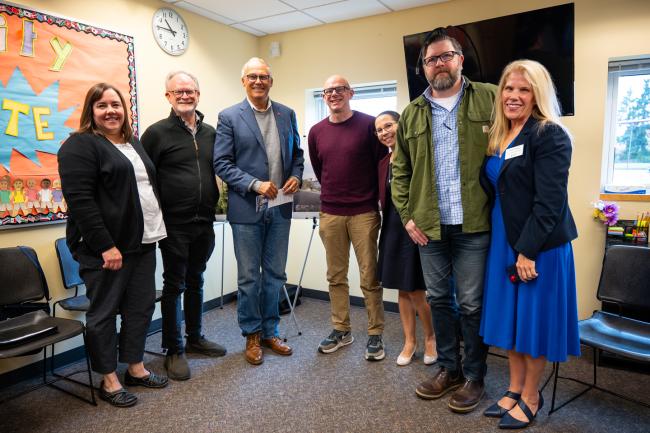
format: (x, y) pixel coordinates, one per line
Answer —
(90, 374)
(556, 368)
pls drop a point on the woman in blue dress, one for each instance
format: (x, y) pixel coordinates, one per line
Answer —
(529, 300)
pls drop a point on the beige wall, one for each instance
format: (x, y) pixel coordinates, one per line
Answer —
(365, 50)
(370, 50)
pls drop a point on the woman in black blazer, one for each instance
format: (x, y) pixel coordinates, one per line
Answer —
(529, 299)
(114, 222)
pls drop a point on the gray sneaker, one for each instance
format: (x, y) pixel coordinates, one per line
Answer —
(205, 347)
(335, 340)
(375, 348)
(177, 366)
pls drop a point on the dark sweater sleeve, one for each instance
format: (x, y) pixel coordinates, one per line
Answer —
(551, 172)
(79, 171)
(313, 154)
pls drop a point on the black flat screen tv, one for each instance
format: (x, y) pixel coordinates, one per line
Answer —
(545, 35)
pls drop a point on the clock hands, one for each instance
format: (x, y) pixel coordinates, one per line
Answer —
(169, 28)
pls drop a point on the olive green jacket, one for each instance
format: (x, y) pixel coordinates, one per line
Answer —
(413, 187)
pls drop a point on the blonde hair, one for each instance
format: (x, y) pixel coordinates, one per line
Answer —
(546, 108)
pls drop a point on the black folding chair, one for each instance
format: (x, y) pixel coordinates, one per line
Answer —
(71, 280)
(624, 283)
(21, 282)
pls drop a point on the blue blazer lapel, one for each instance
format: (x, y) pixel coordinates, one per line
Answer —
(522, 139)
(284, 131)
(248, 117)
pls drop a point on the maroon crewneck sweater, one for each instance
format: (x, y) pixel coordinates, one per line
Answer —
(345, 157)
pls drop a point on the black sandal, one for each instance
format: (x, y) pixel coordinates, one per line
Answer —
(496, 411)
(119, 398)
(150, 381)
(509, 422)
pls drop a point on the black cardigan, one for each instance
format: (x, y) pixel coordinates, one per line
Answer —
(101, 192)
(188, 189)
(533, 190)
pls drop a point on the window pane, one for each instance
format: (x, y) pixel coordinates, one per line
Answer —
(632, 147)
(374, 106)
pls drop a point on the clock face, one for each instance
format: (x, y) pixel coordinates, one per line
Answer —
(170, 31)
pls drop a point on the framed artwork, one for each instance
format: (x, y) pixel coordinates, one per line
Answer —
(47, 64)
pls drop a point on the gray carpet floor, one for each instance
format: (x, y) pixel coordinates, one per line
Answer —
(311, 392)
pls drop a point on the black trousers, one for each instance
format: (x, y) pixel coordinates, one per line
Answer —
(129, 292)
(185, 253)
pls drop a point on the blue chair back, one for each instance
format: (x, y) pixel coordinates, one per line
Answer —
(69, 266)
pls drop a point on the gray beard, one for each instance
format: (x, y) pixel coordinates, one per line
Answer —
(444, 82)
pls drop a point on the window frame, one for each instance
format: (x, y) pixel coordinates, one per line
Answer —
(617, 68)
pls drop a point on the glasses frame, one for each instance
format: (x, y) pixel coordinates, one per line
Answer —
(264, 78)
(180, 93)
(388, 126)
(330, 90)
(433, 60)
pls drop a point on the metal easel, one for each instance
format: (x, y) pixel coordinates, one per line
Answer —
(292, 303)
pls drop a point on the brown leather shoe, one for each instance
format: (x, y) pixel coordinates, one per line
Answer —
(276, 345)
(467, 397)
(254, 354)
(439, 385)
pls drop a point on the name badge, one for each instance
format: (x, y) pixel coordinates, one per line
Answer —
(486, 129)
(514, 152)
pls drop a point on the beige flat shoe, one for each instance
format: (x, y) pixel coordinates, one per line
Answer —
(405, 359)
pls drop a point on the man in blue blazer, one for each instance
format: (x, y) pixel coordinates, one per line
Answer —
(257, 153)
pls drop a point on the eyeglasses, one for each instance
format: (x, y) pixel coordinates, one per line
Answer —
(179, 93)
(338, 89)
(444, 57)
(386, 128)
(254, 77)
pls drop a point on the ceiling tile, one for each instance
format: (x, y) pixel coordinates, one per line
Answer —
(303, 4)
(284, 22)
(190, 6)
(347, 10)
(244, 10)
(245, 28)
(397, 5)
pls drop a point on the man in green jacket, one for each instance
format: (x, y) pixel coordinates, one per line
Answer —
(441, 143)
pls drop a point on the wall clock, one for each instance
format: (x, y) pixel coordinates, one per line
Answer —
(170, 31)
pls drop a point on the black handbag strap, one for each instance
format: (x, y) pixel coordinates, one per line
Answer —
(28, 252)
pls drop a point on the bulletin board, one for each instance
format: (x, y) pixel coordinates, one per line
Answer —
(47, 64)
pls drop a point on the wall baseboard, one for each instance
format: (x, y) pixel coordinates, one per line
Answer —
(73, 355)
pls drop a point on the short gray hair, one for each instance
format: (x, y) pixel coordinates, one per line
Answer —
(253, 60)
(172, 74)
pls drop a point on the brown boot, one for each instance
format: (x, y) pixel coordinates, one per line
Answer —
(276, 345)
(253, 352)
(467, 397)
(440, 384)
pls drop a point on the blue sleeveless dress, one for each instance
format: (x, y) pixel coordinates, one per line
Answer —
(539, 318)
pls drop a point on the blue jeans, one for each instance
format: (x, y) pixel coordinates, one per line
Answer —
(185, 253)
(261, 245)
(462, 255)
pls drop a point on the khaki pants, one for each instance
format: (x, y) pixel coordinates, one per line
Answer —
(336, 233)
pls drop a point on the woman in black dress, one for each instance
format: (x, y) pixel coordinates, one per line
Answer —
(399, 260)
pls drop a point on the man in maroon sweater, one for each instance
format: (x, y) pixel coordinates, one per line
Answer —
(344, 152)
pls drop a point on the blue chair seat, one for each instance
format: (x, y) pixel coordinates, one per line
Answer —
(75, 303)
(616, 334)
